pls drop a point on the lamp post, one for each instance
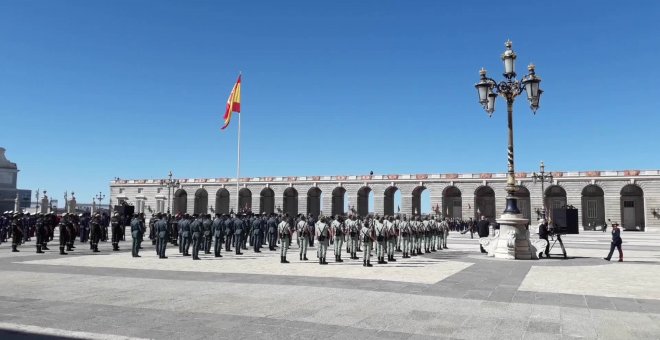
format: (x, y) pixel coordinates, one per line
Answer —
(169, 183)
(100, 196)
(488, 90)
(542, 177)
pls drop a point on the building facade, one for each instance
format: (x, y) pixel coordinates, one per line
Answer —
(631, 197)
(8, 186)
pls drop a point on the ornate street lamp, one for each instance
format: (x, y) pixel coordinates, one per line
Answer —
(100, 196)
(169, 183)
(488, 90)
(542, 177)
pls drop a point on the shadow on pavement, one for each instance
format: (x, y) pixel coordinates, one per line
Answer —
(11, 335)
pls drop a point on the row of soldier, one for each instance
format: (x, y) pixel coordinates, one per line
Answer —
(386, 235)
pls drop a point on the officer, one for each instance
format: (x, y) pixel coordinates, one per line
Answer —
(196, 231)
(206, 227)
(337, 228)
(229, 232)
(239, 227)
(136, 233)
(116, 224)
(367, 236)
(323, 236)
(381, 238)
(271, 225)
(16, 232)
(64, 233)
(406, 235)
(353, 232)
(95, 232)
(391, 238)
(303, 236)
(284, 231)
(40, 232)
(162, 233)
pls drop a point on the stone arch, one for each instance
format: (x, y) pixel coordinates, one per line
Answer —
(632, 207)
(201, 203)
(417, 199)
(290, 203)
(338, 201)
(452, 202)
(484, 203)
(524, 202)
(593, 207)
(244, 200)
(222, 201)
(555, 197)
(314, 201)
(180, 204)
(267, 201)
(388, 203)
(363, 201)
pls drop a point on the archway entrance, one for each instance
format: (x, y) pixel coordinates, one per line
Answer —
(222, 201)
(290, 201)
(452, 202)
(201, 205)
(314, 201)
(524, 203)
(555, 197)
(388, 204)
(632, 207)
(593, 207)
(484, 203)
(338, 201)
(417, 199)
(267, 201)
(180, 204)
(244, 200)
(363, 201)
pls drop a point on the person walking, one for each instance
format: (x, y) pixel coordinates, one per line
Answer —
(616, 242)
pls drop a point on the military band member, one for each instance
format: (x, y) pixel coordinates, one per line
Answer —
(64, 233)
(284, 231)
(95, 232)
(303, 236)
(391, 238)
(367, 236)
(218, 229)
(71, 232)
(40, 232)
(116, 224)
(337, 229)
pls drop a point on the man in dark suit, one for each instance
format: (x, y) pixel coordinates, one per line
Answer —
(616, 242)
(482, 230)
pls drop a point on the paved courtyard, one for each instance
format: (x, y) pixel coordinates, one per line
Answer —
(455, 293)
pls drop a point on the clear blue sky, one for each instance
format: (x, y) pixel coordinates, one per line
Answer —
(92, 90)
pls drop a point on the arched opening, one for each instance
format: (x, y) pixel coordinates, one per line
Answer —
(338, 201)
(389, 208)
(593, 207)
(267, 201)
(484, 203)
(201, 205)
(555, 197)
(222, 201)
(180, 204)
(363, 201)
(290, 201)
(314, 201)
(632, 207)
(524, 202)
(244, 200)
(421, 202)
(452, 202)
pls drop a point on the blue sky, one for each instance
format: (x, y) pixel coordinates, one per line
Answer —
(92, 90)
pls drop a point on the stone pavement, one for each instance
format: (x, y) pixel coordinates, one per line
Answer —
(455, 293)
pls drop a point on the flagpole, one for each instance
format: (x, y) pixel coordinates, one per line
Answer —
(238, 166)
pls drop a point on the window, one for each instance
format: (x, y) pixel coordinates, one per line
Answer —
(159, 190)
(121, 190)
(628, 204)
(592, 210)
(139, 190)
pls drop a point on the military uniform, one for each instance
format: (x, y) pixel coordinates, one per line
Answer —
(116, 224)
(95, 233)
(257, 223)
(218, 227)
(229, 232)
(353, 234)
(162, 234)
(271, 224)
(323, 236)
(136, 233)
(367, 236)
(381, 239)
(196, 231)
(206, 227)
(184, 225)
(16, 233)
(239, 227)
(40, 232)
(64, 234)
(338, 232)
(303, 237)
(391, 239)
(406, 236)
(284, 232)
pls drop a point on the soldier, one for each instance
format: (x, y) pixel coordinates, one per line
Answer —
(116, 224)
(323, 236)
(84, 228)
(271, 225)
(218, 228)
(303, 236)
(415, 228)
(173, 225)
(152, 229)
(64, 233)
(16, 232)
(445, 232)
(427, 235)
(49, 227)
(311, 222)
(391, 238)
(95, 232)
(239, 227)
(186, 239)
(367, 236)
(229, 232)
(353, 232)
(397, 230)
(196, 231)
(40, 232)
(206, 227)
(136, 233)
(381, 239)
(179, 225)
(405, 237)
(284, 231)
(162, 231)
(338, 232)
(257, 223)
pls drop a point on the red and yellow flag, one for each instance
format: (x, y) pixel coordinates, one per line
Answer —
(234, 102)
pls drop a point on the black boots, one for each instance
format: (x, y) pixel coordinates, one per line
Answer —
(283, 260)
(391, 258)
(381, 260)
(13, 248)
(62, 251)
(39, 250)
(43, 247)
(338, 258)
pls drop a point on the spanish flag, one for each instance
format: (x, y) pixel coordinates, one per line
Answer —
(234, 102)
